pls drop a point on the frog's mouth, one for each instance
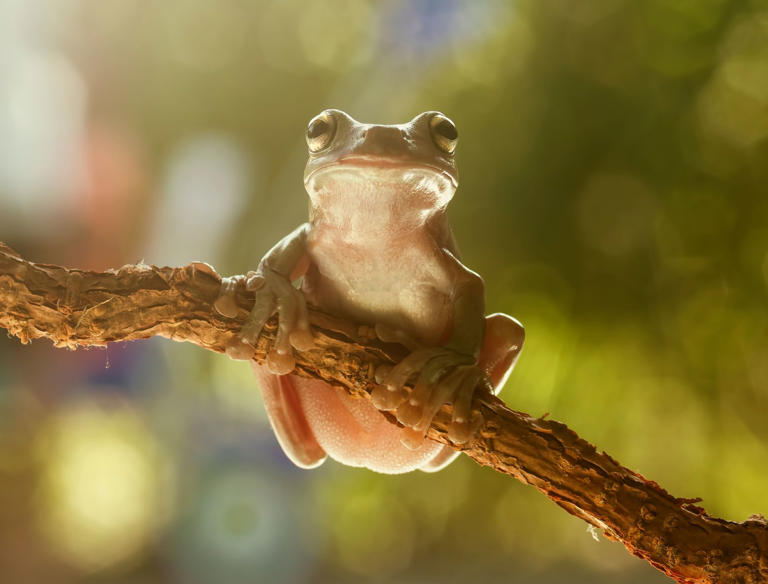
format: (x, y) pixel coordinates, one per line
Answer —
(369, 164)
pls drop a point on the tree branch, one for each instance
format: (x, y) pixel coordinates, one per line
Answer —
(82, 308)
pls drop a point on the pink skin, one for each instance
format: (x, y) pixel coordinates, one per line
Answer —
(378, 250)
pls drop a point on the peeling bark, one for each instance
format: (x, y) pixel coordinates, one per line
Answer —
(76, 308)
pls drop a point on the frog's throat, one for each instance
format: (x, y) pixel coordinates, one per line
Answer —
(383, 208)
(374, 193)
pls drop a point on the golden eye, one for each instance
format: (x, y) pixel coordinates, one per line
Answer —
(320, 132)
(444, 133)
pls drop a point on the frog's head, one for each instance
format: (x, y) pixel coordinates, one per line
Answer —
(413, 161)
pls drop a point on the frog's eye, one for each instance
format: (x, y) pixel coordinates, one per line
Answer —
(320, 131)
(444, 133)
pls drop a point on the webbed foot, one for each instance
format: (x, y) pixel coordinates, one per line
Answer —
(444, 376)
(273, 292)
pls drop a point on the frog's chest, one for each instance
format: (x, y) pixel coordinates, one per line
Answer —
(404, 283)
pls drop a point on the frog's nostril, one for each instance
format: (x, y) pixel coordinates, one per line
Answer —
(382, 134)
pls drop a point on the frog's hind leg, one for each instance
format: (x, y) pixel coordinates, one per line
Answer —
(287, 418)
(502, 344)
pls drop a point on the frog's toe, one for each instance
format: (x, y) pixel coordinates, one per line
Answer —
(263, 307)
(254, 281)
(411, 411)
(399, 375)
(293, 320)
(251, 330)
(301, 336)
(465, 423)
(441, 393)
(465, 390)
(204, 268)
(240, 351)
(285, 326)
(413, 438)
(425, 401)
(280, 363)
(463, 432)
(302, 340)
(389, 334)
(226, 304)
(381, 372)
(409, 414)
(387, 399)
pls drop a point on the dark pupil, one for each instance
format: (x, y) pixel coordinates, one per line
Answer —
(447, 130)
(317, 128)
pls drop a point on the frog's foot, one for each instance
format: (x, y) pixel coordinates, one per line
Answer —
(444, 376)
(388, 397)
(273, 292)
(226, 305)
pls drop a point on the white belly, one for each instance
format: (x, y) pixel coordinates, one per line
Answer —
(405, 285)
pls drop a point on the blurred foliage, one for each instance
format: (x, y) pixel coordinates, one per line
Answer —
(613, 195)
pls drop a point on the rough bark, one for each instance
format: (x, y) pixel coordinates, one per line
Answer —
(76, 308)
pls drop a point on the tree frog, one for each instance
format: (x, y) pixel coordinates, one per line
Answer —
(377, 249)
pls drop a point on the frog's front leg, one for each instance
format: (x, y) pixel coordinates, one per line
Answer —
(446, 374)
(501, 346)
(273, 292)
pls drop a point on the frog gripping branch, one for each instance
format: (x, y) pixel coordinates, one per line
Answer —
(377, 249)
(385, 312)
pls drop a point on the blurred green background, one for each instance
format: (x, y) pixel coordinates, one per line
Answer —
(614, 172)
